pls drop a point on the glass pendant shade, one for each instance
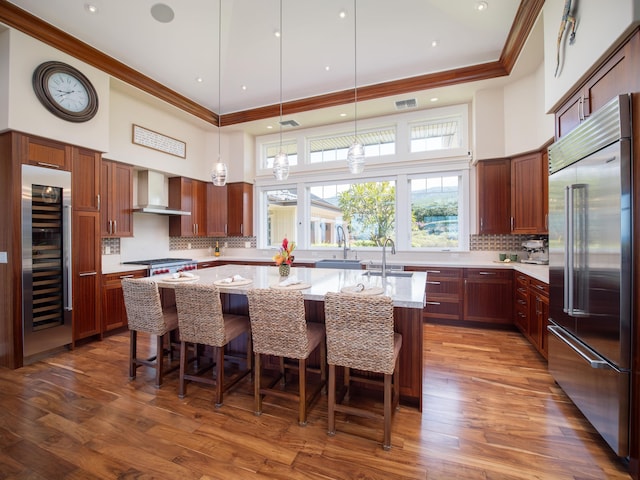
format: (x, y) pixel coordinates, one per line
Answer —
(355, 158)
(219, 174)
(281, 166)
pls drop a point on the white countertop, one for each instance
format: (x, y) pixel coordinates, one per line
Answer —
(407, 292)
(539, 272)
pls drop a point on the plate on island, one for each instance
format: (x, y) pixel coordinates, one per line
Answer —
(358, 290)
(181, 279)
(235, 283)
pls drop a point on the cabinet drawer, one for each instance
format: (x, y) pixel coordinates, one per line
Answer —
(539, 287)
(442, 286)
(111, 279)
(442, 309)
(487, 274)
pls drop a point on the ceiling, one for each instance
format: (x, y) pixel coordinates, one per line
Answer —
(320, 53)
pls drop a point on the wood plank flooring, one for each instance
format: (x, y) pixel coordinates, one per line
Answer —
(491, 411)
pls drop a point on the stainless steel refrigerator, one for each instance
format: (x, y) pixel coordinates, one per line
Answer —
(590, 261)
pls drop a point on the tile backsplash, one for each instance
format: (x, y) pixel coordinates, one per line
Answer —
(507, 243)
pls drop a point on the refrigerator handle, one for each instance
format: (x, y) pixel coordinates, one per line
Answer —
(593, 362)
(568, 248)
(67, 257)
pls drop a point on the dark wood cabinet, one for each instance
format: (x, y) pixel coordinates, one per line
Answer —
(488, 295)
(494, 196)
(86, 274)
(531, 310)
(528, 179)
(616, 76)
(216, 210)
(443, 290)
(521, 309)
(44, 152)
(114, 314)
(86, 180)
(116, 193)
(240, 209)
(189, 195)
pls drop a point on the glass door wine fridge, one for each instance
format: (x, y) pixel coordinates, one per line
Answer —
(46, 260)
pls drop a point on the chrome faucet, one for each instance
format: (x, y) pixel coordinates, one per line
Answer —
(342, 238)
(384, 255)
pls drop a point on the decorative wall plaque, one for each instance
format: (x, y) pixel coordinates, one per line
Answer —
(157, 141)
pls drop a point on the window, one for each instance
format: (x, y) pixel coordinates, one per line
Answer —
(271, 150)
(376, 143)
(435, 135)
(282, 211)
(366, 211)
(435, 211)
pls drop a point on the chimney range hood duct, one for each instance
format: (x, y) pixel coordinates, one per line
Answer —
(153, 194)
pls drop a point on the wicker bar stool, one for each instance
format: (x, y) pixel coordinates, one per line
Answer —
(145, 314)
(202, 322)
(279, 328)
(360, 336)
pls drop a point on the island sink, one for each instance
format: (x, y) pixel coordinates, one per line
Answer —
(339, 263)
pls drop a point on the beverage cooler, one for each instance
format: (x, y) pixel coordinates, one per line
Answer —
(46, 260)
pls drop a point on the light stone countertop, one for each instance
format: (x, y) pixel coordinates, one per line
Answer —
(407, 292)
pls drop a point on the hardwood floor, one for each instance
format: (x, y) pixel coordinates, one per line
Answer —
(491, 411)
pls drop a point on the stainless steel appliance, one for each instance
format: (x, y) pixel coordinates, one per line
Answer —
(46, 260)
(164, 266)
(590, 262)
(537, 252)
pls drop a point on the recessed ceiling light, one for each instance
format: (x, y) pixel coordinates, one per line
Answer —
(199, 79)
(269, 127)
(433, 99)
(343, 114)
(327, 68)
(435, 43)
(244, 87)
(342, 14)
(277, 33)
(89, 7)
(162, 13)
(481, 6)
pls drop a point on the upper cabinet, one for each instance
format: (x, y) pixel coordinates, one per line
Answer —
(616, 76)
(240, 209)
(44, 153)
(116, 193)
(86, 180)
(189, 195)
(494, 196)
(216, 210)
(528, 193)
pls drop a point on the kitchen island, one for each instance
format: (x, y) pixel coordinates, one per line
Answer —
(407, 292)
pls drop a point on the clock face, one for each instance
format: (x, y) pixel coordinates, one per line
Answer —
(68, 91)
(65, 91)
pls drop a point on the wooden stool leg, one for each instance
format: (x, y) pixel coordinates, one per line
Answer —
(133, 338)
(302, 390)
(219, 375)
(159, 360)
(331, 401)
(257, 397)
(183, 365)
(387, 412)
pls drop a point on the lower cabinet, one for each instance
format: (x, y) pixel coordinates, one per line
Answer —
(114, 314)
(531, 310)
(443, 292)
(488, 295)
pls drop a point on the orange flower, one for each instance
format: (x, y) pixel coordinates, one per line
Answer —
(284, 253)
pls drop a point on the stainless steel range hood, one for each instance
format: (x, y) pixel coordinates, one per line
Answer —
(153, 194)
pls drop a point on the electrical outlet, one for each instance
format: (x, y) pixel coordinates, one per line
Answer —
(188, 246)
(3, 257)
(107, 250)
(226, 244)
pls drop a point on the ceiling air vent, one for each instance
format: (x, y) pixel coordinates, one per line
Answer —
(404, 104)
(289, 123)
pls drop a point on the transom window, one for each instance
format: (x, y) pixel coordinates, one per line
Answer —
(435, 135)
(376, 143)
(271, 150)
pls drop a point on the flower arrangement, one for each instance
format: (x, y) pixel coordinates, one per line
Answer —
(284, 253)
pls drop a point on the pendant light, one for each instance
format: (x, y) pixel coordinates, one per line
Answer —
(355, 155)
(281, 161)
(219, 172)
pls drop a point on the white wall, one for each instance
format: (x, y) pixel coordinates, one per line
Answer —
(526, 124)
(488, 124)
(600, 25)
(26, 114)
(4, 78)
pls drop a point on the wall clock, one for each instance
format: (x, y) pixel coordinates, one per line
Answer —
(65, 91)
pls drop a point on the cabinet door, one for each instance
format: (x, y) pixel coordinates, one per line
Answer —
(114, 313)
(86, 180)
(539, 294)
(189, 195)
(488, 295)
(86, 279)
(216, 211)
(527, 190)
(521, 305)
(44, 152)
(116, 193)
(494, 196)
(240, 209)
(443, 291)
